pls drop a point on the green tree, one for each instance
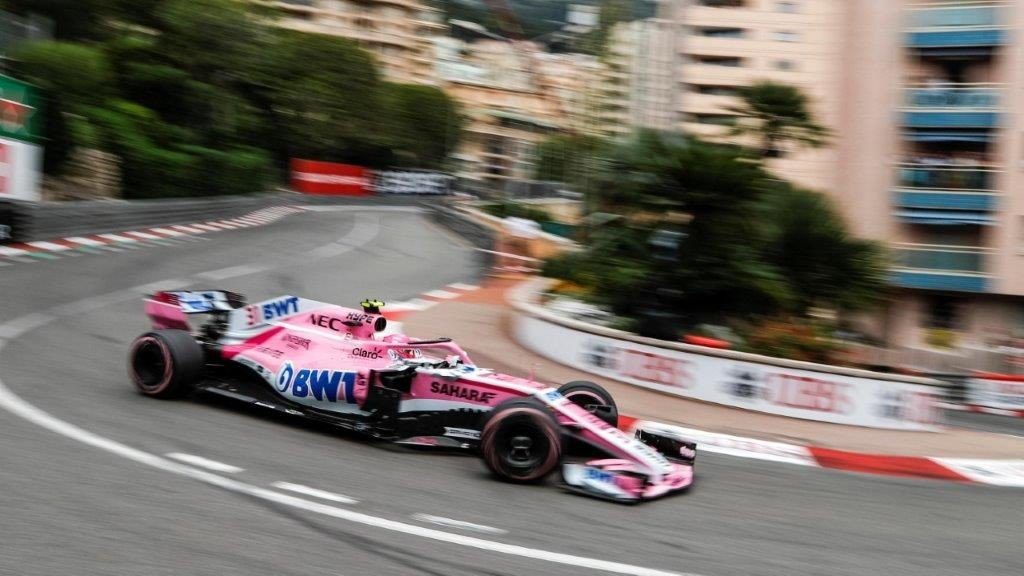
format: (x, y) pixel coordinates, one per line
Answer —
(72, 19)
(426, 124)
(567, 157)
(322, 97)
(777, 115)
(71, 77)
(807, 240)
(750, 246)
(706, 192)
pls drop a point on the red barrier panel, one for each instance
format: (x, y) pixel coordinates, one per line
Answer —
(312, 177)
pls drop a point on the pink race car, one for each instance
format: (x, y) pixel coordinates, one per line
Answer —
(340, 366)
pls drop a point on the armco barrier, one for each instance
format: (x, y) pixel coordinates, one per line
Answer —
(997, 392)
(59, 219)
(760, 383)
(477, 234)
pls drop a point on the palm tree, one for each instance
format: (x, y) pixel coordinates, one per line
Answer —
(777, 114)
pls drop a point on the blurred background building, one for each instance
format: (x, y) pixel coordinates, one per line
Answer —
(723, 45)
(398, 32)
(638, 77)
(923, 100)
(509, 110)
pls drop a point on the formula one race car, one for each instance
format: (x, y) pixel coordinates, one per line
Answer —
(335, 365)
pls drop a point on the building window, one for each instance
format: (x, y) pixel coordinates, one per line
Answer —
(714, 119)
(715, 90)
(785, 65)
(730, 61)
(786, 7)
(943, 312)
(723, 3)
(719, 32)
(785, 36)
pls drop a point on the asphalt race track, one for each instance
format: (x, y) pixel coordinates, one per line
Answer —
(86, 487)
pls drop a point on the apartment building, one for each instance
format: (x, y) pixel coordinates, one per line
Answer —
(931, 160)
(925, 100)
(398, 33)
(637, 83)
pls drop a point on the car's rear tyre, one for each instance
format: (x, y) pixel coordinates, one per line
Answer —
(165, 363)
(594, 398)
(521, 441)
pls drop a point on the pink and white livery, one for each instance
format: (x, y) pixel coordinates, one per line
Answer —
(336, 365)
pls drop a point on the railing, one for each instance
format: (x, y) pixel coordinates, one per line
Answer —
(941, 258)
(963, 15)
(923, 176)
(953, 96)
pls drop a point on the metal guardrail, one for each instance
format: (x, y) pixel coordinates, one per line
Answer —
(41, 221)
(945, 258)
(953, 96)
(29, 221)
(928, 177)
(958, 16)
(480, 236)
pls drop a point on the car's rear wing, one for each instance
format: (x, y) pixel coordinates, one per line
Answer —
(171, 308)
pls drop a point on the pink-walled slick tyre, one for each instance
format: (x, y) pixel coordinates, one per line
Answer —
(165, 363)
(521, 441)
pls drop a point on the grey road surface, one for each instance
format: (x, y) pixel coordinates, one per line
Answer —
(71, 508)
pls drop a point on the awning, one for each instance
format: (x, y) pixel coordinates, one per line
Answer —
(948, 136)
(945, 217)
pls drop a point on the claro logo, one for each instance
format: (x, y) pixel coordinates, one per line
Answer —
(369, 354)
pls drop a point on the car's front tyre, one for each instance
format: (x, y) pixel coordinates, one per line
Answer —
(592, 397)
(165, 363)
(521, 441)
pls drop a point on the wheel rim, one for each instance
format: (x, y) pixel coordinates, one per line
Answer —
(522, 447)
(149, 364)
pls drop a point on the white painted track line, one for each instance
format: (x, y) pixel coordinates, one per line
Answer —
(442, 521)
(204, 462)
(188, 229)
(321, 494)
(463, 287)
(232, 272)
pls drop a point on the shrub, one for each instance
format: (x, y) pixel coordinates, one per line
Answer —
(515, 210)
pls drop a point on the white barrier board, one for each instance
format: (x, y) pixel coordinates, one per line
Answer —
(1006, 393)
(796, 393)
(20, 166)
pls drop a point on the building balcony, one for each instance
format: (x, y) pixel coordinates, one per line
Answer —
(937, 267)
(724, 75)
(697, 103)
(952, 106)
(957, 27)
(717, 46)
(928, 187)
